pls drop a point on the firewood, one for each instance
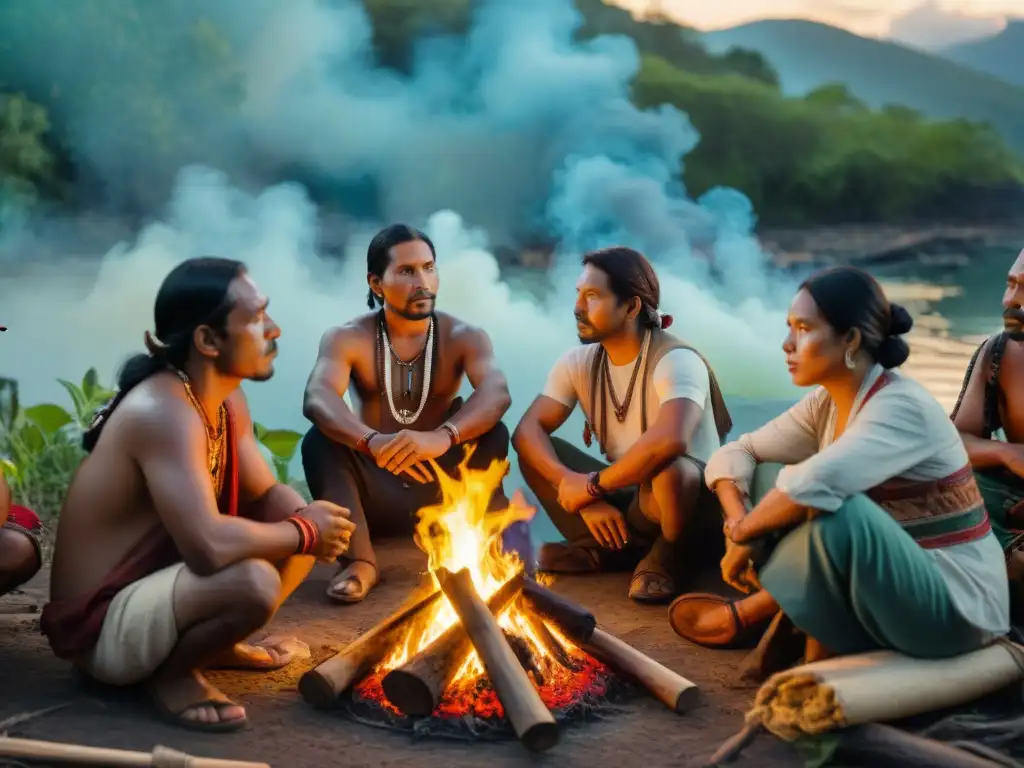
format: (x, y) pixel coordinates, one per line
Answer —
(674, 691)
(322, 685)
(417, 686)
(533, 723)
(76, 754)
(575, 621)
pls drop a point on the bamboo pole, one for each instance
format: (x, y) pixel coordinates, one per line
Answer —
(76, 754)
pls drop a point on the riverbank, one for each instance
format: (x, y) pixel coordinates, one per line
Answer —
(885, 245)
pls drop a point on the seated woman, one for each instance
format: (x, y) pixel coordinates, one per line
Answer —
(879, 537)
(20, 530)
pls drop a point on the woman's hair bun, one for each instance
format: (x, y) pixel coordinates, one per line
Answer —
(900, 321)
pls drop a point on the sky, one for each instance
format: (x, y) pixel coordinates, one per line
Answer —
(932, 23)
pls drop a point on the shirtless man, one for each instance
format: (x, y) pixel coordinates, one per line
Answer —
(176, 542)
(20, 531)
(991, 399)
(667, 416)
(374, 461)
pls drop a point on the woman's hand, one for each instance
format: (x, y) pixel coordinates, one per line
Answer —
(738, 568)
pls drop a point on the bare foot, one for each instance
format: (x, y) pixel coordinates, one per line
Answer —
(192, 702)
(267, 654)
(354, 582)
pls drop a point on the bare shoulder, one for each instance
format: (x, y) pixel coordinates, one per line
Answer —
(156, 413)
(463, 333)
(353, 335)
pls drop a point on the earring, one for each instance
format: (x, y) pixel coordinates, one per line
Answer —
(848, 359)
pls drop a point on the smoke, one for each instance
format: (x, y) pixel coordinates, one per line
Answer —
(514, 127)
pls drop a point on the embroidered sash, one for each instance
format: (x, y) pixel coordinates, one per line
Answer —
(937, 513)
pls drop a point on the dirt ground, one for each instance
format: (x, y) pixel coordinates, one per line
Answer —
(288, 733)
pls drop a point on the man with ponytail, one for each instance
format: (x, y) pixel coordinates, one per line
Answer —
(405, 364)
(175, 541)
(655, 408)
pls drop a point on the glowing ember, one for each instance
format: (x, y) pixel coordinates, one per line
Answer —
(460, 533)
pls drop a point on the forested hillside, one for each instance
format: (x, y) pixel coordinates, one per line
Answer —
(820, 158)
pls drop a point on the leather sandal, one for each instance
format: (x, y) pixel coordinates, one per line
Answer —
(685, 613)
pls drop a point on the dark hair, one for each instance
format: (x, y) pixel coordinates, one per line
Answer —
(630, 274)
(378, 255)
(195, 293)
(850, 298)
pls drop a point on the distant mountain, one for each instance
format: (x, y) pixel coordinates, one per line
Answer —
(1001, 55)
(807, 55)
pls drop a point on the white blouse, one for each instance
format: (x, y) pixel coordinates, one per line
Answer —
(902, 431)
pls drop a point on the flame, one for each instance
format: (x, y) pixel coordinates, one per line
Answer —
(461, 532)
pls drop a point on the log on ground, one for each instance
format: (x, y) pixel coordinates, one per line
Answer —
(671, 689)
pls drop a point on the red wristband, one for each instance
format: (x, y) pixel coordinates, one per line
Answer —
(309, 536)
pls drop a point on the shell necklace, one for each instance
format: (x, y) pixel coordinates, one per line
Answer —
(401, 415)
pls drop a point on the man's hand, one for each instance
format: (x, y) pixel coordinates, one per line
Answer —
(334, 527)
(573, 494)
(737, 568)
(606, 524)
(414, 468)
(1012, 457)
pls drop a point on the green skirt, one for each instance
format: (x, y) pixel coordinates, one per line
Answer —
(855, 581)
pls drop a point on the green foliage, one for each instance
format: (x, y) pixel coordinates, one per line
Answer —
(282, 445)
(41, 449)
(826, 157)
(27, 166)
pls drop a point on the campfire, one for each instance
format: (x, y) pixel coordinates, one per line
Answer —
(480, 641)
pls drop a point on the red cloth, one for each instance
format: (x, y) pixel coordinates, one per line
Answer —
(73, 626)
(23, 517)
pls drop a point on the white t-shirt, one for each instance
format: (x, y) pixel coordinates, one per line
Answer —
(679, 373)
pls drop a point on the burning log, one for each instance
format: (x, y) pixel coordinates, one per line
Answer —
(575, 621)
(531, 720)
(674, 691)
(417, 686)
(322, 685)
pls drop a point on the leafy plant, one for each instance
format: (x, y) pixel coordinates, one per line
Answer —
(282, 445)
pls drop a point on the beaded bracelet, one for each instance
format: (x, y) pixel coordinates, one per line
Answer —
(309, 536)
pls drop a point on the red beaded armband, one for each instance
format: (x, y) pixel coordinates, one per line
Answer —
(309, 536)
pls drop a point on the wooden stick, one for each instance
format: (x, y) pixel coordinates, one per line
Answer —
(161, 757)
(575, 621)
(417, 686)
(530, 718)
(734, 745)
(883, 745)
(674, 691)
(322, 685)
